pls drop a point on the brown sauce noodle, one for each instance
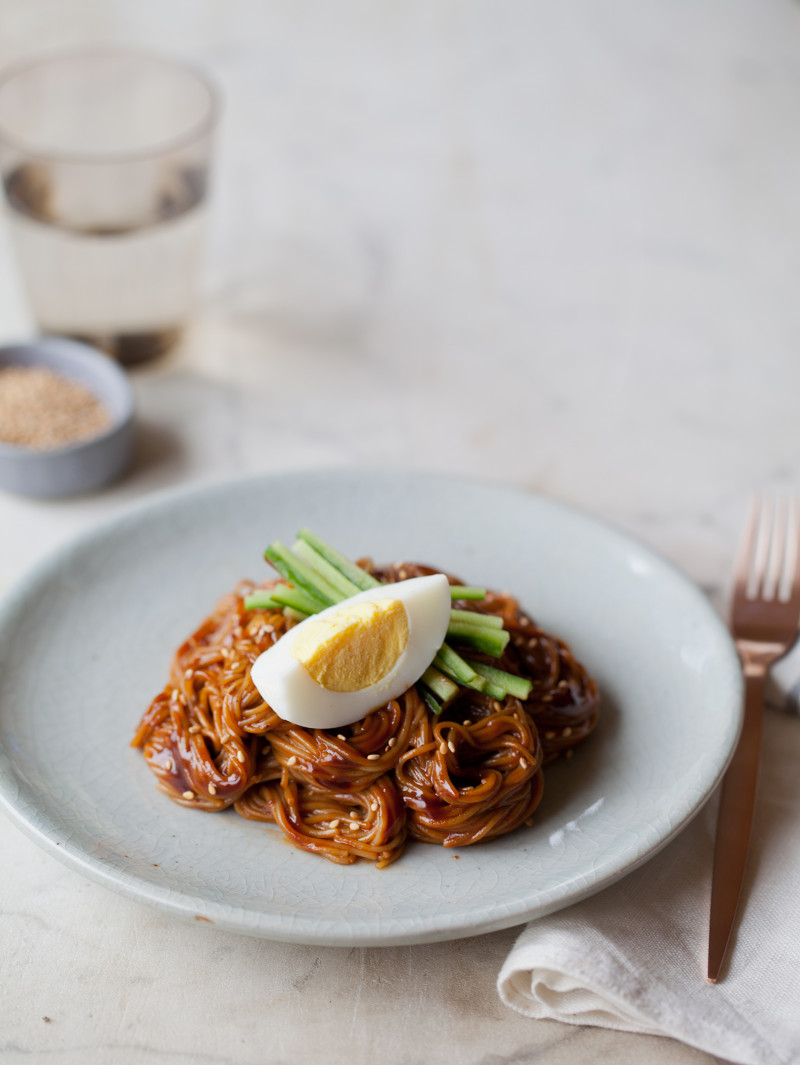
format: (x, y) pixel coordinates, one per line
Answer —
(471, 773)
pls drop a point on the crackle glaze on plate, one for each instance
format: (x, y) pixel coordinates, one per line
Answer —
(86, 640)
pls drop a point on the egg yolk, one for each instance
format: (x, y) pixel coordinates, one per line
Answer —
(353, 648)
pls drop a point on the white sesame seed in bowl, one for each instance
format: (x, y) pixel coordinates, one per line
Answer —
(66, 418)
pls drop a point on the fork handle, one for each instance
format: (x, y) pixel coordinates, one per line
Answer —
(735, 821)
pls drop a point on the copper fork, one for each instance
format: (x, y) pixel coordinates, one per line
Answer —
(765, 613)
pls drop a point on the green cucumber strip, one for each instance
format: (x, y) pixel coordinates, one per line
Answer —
(306, 553)
(441, 686)
(295, 598)
(466, 591)
(475, 617)
(476, 682)
(494, 692)
(295, 615)
(480, 684)
(302, 576)
(490, 641)
(509, 682)
(349, 569)
(431, 700)
(451, 663)
(261, 600)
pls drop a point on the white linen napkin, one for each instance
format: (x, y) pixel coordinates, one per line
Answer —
(633, 956)
(783, 684)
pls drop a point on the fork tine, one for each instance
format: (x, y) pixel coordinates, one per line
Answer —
(745, 563)
(763, 546)
(775, 566)
(791, 593)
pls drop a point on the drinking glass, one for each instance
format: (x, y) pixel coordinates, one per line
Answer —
(105, 157)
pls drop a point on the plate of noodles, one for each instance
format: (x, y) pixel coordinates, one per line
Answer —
(587, 705)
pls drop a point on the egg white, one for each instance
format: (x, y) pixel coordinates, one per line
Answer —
(287, 686)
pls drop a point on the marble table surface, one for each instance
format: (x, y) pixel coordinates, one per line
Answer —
(554, 244)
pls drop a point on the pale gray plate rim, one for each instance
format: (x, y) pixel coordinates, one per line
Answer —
(449, 921)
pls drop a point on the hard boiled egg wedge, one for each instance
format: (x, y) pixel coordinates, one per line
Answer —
(336, 666)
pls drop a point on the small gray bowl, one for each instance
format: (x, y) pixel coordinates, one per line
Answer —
(88, 464)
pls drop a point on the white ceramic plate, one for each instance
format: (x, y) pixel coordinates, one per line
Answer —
(86, 640)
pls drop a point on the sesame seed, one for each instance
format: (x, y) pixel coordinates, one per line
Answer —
(372, 757)
(188, 794)
(353, 813)
(466, 721)
(174, 696)
(496, 706)
(549, 735)
(41, 409)
(335, 824)
(402, 574)
(169, 765)
(292, 760)
(391, 742)
(194, 729)
(567, 731)
(562, 684)
(212, 789)
(533, 642)
(339, 736)
(523, 764)
(188, 674)
(354, 826)
(241, 755)
(451, 746)
(374, 807)
(442, 748)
